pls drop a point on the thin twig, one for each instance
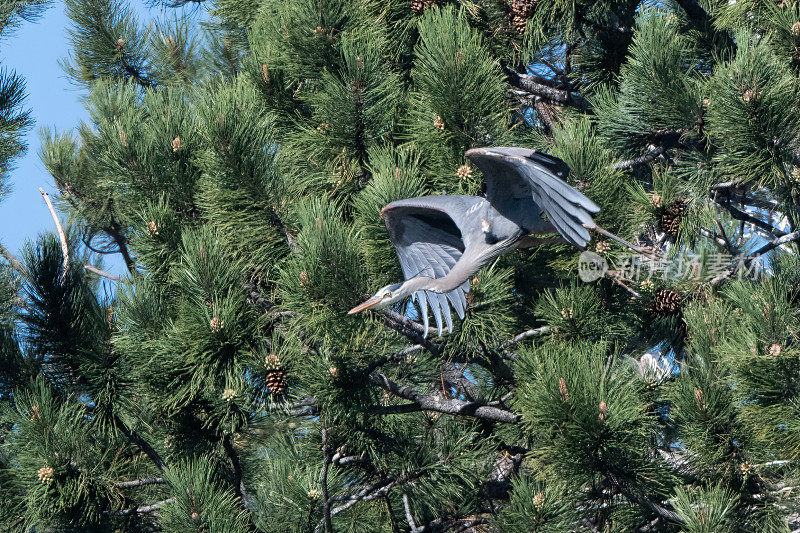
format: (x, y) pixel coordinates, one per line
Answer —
(747, 261)
(620, 280)
(139, 483)
(738, 214)
(638, 249)
(61, 235)
(146, 508)
(544, 330)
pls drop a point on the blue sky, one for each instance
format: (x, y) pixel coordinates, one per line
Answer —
(34, 51)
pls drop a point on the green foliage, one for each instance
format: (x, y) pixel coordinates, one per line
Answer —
(239, 161)
(396, 174)
(575, 312)
(591, 413)
(14, 12)
(14, 121)
(536, 506)
(658, 92)
(201, 502)
(107, 41)
(312, 281)
(756, 132)
(459, 98)
(706, 511)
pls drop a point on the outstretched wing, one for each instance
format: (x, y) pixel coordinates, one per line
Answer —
(513, 173)
(429, 243)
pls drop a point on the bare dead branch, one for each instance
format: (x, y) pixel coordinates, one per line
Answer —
(101, 273)
(326, 500)
(61, 235)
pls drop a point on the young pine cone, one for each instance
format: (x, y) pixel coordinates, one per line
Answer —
(46, 475)
(666, 302)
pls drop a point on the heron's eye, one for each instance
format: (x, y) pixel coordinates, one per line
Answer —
(388, 294)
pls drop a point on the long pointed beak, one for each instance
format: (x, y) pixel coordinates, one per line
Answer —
(366, 305)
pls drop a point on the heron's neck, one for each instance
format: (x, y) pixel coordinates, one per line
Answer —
(420, 283)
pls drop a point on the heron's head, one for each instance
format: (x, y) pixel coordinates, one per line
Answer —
(382, 299)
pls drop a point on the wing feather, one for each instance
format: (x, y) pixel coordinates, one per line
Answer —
(512, 171)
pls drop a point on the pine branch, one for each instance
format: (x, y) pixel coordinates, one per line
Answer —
(409, 517)
(529, 85)
(658, 510)
(738, 214)
(113, 230)
(694, 11)
(411, 330)
(748, 260)
(780, 241)
(255, 298)
(390, 512)
(652, 154)
(238, 476)
(326, 501)
(393, 358)
(374, 491)
(430, 402)
(544, 330)
(457, 525)
(142, 444)
(735, 191)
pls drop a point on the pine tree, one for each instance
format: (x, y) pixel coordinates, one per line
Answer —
(237, 159)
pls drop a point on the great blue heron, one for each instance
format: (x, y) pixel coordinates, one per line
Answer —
(442, 241)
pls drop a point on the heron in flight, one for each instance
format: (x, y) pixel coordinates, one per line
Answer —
(442, 241)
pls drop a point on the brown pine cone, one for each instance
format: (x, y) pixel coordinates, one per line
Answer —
(521, 11)
(670, 219)
(275, 378)
(276, 381)
(418, 6)
(666, 302)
